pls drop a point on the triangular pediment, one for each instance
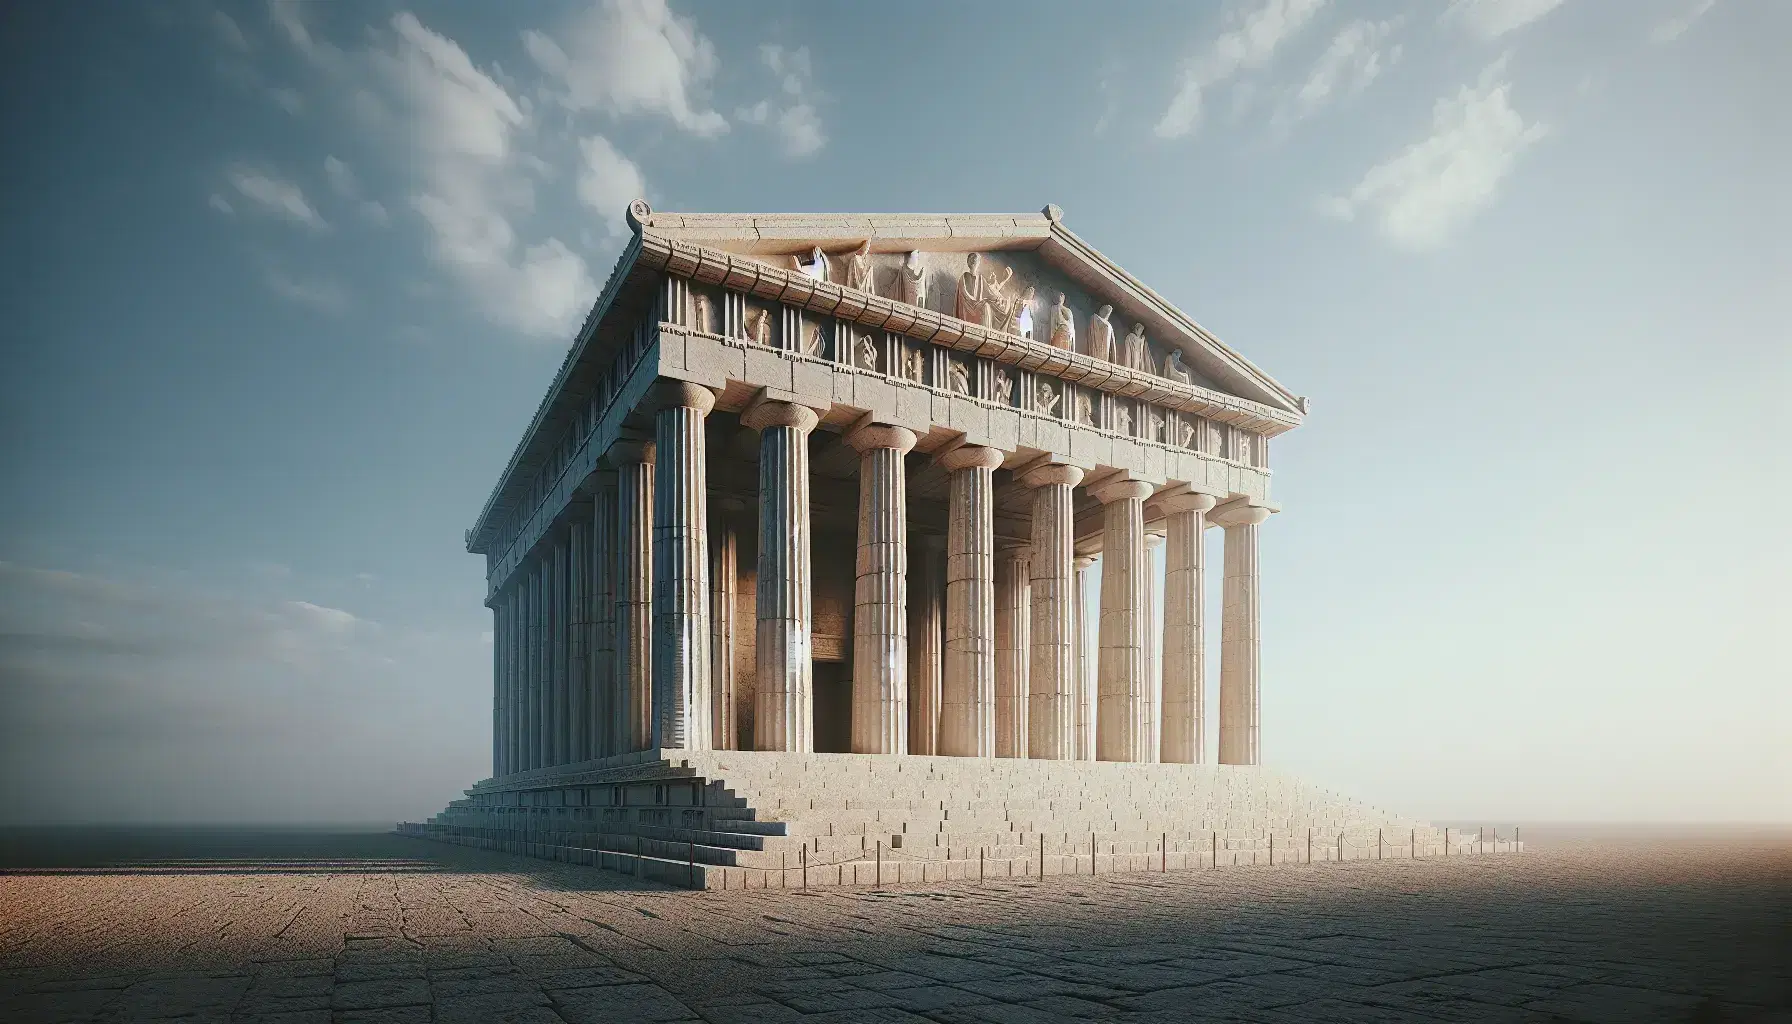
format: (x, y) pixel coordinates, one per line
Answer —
(1036, 249)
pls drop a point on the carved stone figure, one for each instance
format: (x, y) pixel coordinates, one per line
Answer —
(1175, 369)
(1154, 426)
(914, 366)
(1188, 434)
(867, 352)
(911, 281)
(1122, 419)
(859, 272)
(816, 268)
(1046, 398)
(960, 377)
(1017, 315)
(1137, 353)
(1101, 334)
(1004, 386)
(973, 292)
(759, 326)
(1085, 410)
(1063, 329)
(701, 323)
(811, 339)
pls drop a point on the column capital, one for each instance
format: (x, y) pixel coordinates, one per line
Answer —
(1240, 512)
(763, 413)
(1185, 501)
(1052, 473)
(971, 456)
(670, 392)
(629, 452)
(880, 435)
(1118, 490)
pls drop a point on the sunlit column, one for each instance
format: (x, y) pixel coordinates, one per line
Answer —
(1052, 683)
(681, 568)
(1122, 729)
(1240, 653)
(634, 590)
(967, 689)
(1185, 673)
(785, 674)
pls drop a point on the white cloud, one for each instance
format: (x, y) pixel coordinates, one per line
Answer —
(288, 100)
(608, 181)
(1491, 19)
(791, 115)
(275, 196)
(327, 296)
(461, 129)
(630, 57)
(1675, 27)
(229, 32)
(221, 204)
(342, 179)
(1357, 54)
(1247, 46)
(1419, 195)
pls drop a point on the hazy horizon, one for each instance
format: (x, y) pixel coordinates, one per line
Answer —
(288, 281)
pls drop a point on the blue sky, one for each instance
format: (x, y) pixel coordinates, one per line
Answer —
(284, 283)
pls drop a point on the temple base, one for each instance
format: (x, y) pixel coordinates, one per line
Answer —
(752, 820)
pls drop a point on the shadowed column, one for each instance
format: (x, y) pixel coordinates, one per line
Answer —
(537, 647)
(497, 608)
(1185, 672)
(1085, 687)
(578, 639)
(1123, 731)
(1014, 629)
(1051, 676)
(554, 731)
(1240, 655)
(880, 593)
(926, 637)
(724, 580)
(607, 736)
(967, 689)
(634, 590)
(785, 674)
(681, 568)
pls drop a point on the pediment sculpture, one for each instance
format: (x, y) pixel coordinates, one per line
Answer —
(1101, 334)
(859, 272)
(1063, 325)
(973, 292)
(816, 267)
(1136, 352)
(1175, 369)
(911, 281)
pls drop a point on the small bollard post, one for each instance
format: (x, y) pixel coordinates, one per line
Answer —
(805, 867)
(1380, 850)
(690, 864)
(1163, 854)
(637, 856)
(979, 865)
(1042, 856)
(1446, 840)
(1215, 854)
(1340, 847)
(1515, 839)
(880, 865)
(1309, 846)
(1481, 840)
(1091, 853)
(1412, 844)
(1272, 848)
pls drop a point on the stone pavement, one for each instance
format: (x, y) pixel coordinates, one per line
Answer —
(1658, 930)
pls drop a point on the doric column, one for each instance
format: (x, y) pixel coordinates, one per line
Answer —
(578, 640)
(519, 646)
(1185, 674)
(880, 593)
(724, 580)
(497, 607)
(1154, 662)
(1085, 665)
(927, 642)
(782, 716)
(1123, 730)
(1052, 667)
(681, 568)
(537, 646)
(967, 689)
(1240, 651)
(634, 591)
(1013, 617)
(554, 728)
(607, 737)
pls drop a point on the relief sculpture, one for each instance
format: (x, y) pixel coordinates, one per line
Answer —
(701, 323)
(859, 272)
(973, 292)
(911, 281)
(1136, 352)
(1063, 330)
(1046, 398)
(816, 267)
(759, 326)
(1101, 334)
(867, 353)
(1085, 410)
(1004, 386)
(960, 377)
(1187, 430)
(1174, 368)
(914, 366)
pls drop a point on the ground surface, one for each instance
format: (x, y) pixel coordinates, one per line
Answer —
(394, 930)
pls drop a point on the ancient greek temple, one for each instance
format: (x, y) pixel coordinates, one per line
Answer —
(813, 502)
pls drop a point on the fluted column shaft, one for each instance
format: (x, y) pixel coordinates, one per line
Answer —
(1085, 685)
(1185, 673)
(927, 640)
(519, 645)
(537, 648)
(1051, 677)
(782, 715)
(1154, 661)
(559, 690)
(498, 686)
(724, 580)
(880, 593)
(607, 738)
(578, 642)
(634, 592)
(1123, 728)
(1014, 622)
(968, 684)
(1240, 653)
(681, 568)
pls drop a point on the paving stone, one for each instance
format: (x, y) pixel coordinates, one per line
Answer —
(380, 993)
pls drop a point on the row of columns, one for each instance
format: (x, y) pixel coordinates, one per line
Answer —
(616, 640)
